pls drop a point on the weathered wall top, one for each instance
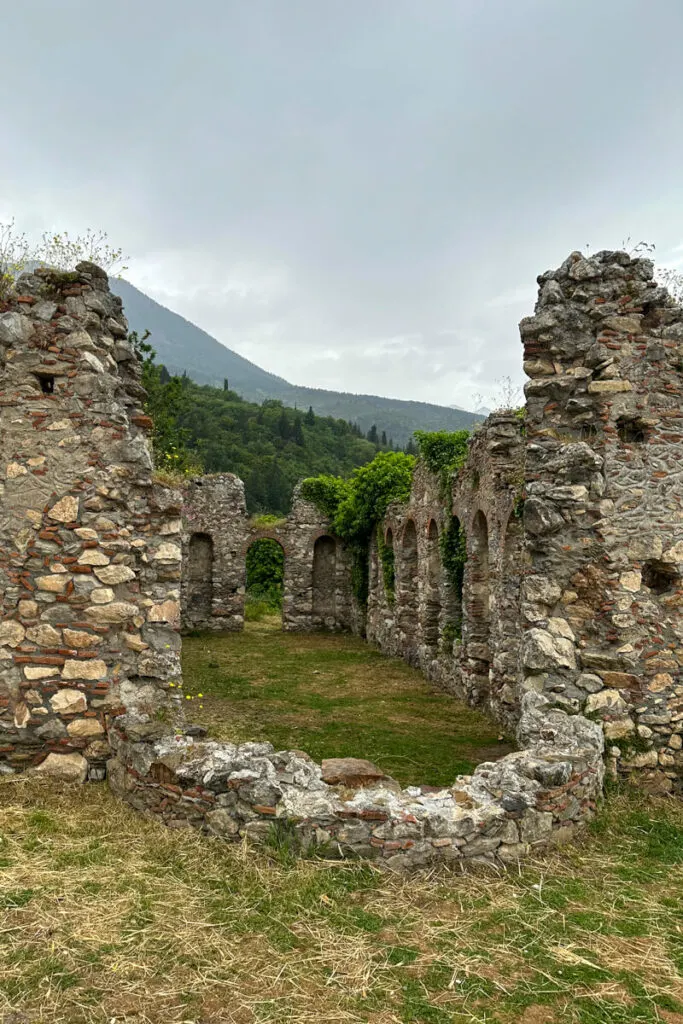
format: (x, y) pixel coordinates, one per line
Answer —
(603, 515)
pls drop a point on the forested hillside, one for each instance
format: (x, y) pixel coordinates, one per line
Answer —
(269, 446)
(198, 429)
(183, 347)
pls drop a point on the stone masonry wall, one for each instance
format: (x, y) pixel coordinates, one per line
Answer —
(215, 526)
(603, 516)
(89, 546)
(570, 612)
(493, 816)
(317, 576)
(480, 663)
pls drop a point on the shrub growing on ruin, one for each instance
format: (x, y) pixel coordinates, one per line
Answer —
(355, 506)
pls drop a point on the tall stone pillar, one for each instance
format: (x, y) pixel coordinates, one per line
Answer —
(89, 544)
(603, 514)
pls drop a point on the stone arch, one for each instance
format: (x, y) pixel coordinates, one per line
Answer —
(432, 596)
(407, 589)
(325, 582)
(477, 603)
(199, 595)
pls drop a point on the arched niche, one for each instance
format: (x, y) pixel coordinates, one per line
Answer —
(432, 591)
(325, 582)
(408, 588)
(478, 593)
(387, 565)
(199, 593)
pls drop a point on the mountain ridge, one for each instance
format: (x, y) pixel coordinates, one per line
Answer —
(185, 348)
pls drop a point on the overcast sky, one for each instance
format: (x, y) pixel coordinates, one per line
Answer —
(355, 194)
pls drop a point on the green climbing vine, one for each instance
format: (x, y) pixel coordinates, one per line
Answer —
(355, 506)
(445, 454)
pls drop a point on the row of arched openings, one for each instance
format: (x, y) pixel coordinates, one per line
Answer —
(444, 603)
(265, 573)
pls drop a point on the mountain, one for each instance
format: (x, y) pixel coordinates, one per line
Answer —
(182, 346)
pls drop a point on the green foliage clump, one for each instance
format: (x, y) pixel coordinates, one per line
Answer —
(357, 505)
(265, 579)
(387, 479)
(166, 401)
(326, 493)
(441, 450)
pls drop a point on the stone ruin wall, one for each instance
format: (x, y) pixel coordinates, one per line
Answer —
(480, 663)
(603, 516)
(590, 583)
(216, 538)
(89, 546)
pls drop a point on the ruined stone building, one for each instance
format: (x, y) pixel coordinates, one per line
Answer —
(567, 624)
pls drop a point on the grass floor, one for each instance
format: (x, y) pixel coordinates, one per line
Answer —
(106, 918)
(333, 696)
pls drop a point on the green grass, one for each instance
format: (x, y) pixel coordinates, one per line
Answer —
(171, 927)
(332, 696)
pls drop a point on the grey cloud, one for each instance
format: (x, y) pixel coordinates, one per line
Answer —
(310, 180)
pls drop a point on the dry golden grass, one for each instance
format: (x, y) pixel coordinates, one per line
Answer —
(106, 917)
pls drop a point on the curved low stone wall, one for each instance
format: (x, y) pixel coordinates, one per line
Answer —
(493, 816)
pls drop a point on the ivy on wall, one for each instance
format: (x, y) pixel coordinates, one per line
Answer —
(355, 506)
(445, 454)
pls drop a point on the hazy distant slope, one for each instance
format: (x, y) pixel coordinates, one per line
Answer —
(180, 345)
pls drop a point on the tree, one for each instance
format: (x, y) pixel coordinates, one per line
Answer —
(166, 400)
(226, 386)
(373, 437)
(283, 425)
(384, 439)
(298, 433)
(309, 418)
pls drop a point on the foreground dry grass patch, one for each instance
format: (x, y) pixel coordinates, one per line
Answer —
(110, 918)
